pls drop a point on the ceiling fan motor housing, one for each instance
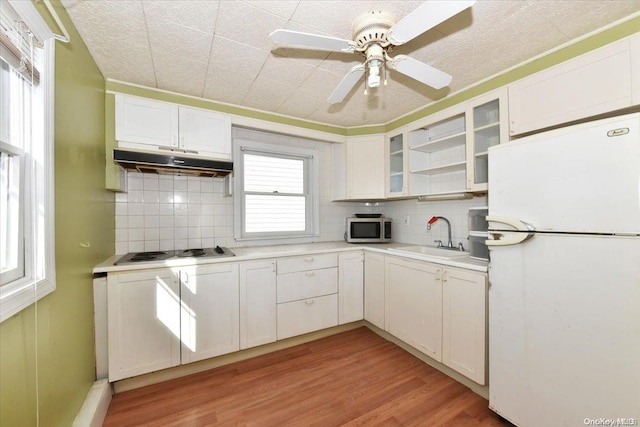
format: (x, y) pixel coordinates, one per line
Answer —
(372, 28)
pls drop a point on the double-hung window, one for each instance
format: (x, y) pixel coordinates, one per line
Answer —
(26, 157)
(276, 196)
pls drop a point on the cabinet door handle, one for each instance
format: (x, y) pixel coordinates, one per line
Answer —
(309, 273)
(310, 259)
(309, 302)
(445, 276)
(438, 274)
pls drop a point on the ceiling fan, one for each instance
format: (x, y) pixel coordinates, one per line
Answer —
(375, 34)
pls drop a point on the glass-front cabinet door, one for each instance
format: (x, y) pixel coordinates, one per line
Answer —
(486, 126)
(396, 164)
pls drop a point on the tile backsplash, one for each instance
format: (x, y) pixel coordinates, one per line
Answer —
(164, 212)
(418, 213)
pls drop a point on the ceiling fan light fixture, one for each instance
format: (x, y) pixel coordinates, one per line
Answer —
(374, 73)
(375, 60)
(374, 35)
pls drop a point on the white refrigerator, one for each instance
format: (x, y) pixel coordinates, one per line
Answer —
(564, 276)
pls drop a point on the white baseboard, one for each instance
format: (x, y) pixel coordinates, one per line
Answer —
(95, 406)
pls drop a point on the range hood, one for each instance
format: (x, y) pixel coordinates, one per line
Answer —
(170, 163)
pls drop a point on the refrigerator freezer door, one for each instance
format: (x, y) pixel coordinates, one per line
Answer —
(564, 330)
(584, 178)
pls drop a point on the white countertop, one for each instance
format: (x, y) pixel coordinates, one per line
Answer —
(278, 251)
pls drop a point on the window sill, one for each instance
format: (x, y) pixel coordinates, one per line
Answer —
(15, 297)
(266, 241)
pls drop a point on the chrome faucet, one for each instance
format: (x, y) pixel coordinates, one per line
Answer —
(439, 242)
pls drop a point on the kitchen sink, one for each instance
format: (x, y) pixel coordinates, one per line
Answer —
(431, 251)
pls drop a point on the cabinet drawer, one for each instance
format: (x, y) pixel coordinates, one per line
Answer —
(307, 284)
(303, 263)
(300, 317)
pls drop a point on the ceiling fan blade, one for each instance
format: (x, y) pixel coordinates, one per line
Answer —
(347, 83)
(426, 16)
(420, 71)
(296, 38)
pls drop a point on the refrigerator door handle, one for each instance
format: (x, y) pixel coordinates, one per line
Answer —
(506, 239)
(498, 238)
(515, 223)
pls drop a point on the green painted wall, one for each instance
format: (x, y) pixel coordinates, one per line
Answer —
(56, 335)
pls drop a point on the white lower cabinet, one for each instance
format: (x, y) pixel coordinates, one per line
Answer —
(307, 284)
(209, 312)
(165, 317)
(350, 287)
(257, 303)
(307, 294)
(464, 323)
(162, 318)
(143, 311)
(307, 315)
(414, 304)
(441, 311)
(374, 299)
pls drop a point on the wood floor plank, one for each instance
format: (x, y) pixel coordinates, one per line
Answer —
(355, 378)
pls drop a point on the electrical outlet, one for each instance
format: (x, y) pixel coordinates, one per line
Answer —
(406, 221)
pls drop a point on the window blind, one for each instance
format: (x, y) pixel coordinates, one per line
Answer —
(18, 46)
(275, 193)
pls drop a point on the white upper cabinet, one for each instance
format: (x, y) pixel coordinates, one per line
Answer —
(206, 132)
(156, 125)
(437, 153)
(338, 173)
(396, 162)
(597, 82)
(487, 121)
(145, 121)
(365, 167)
(634, 43)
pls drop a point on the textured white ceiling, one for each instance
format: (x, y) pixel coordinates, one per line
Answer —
(221, 50)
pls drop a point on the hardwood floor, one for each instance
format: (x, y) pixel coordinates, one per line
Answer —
(355, 378)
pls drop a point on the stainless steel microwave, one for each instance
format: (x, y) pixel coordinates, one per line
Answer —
(368, 230)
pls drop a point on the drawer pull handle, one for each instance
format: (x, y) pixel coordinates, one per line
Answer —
(310, 259)
(310, 273)
(309, 301)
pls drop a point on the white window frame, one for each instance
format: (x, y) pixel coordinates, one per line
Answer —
(20, 270)
(312, 207)
(39, 246)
